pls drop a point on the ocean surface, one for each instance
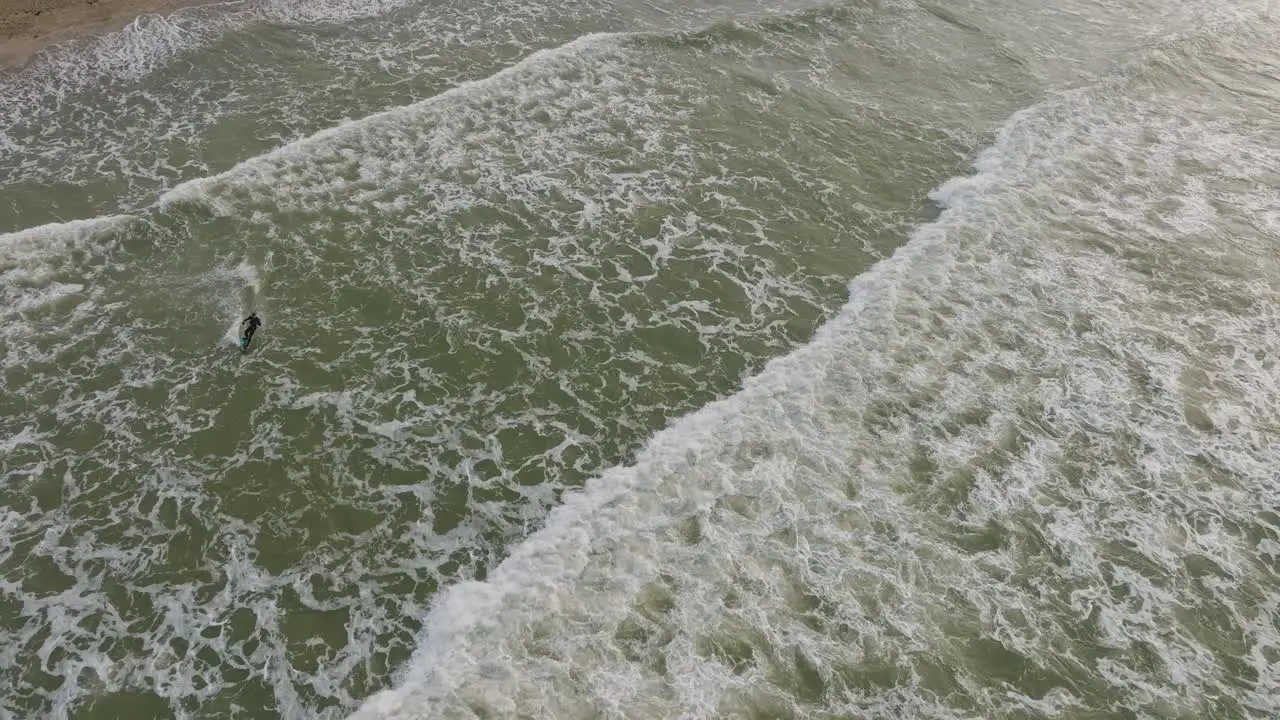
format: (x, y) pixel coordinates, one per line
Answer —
(644, 359)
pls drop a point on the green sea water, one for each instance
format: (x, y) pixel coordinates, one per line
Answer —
(747, 359)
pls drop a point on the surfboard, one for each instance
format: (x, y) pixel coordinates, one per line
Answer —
(244, 344)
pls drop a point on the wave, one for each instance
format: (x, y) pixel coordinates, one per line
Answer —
(33, 245)
(791, 430)
(727, 33)
(629, 499)
(201, 191)
(997, 413)
(326, 141)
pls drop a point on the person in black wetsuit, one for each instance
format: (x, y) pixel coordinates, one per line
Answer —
(252, 322)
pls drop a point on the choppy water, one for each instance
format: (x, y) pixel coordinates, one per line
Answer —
(734, 359)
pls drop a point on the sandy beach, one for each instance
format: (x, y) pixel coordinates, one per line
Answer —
(27, 26)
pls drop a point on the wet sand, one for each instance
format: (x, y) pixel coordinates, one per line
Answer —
(28, 26)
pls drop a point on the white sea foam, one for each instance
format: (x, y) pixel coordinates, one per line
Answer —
(683, 470)
(1008, 455)
(38, 266)
(986, 460)
(32, 246)
(330, 142)
(320, 410)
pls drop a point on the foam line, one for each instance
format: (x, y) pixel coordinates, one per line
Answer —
(31, 245)
(198, 190)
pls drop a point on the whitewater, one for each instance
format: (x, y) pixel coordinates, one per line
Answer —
(751, 359)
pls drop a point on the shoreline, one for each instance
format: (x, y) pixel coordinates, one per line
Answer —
(29, 26)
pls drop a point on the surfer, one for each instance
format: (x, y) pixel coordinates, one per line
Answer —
(253, 322)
